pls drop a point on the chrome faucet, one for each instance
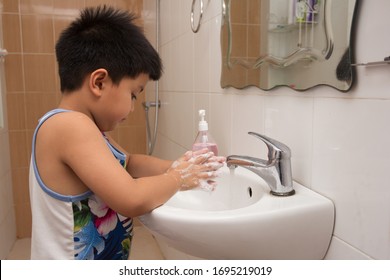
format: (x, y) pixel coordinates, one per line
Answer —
(276, 171)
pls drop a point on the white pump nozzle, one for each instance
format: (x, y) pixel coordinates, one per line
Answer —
(202, 123)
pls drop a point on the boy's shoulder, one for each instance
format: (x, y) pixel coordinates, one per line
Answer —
(66, 125)
(68, 118)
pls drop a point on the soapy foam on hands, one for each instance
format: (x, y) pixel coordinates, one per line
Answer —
(175, 164)
(214, 165)
(202, 156)
(213, 162)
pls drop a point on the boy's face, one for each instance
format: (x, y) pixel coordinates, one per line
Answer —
(119, 100)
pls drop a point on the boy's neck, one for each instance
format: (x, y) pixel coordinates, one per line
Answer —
(75, 101)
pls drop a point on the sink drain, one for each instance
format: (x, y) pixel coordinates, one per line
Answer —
(250, 192)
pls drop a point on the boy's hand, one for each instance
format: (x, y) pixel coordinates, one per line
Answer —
(195, 169)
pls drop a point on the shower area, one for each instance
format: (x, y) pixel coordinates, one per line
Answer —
(30, 87)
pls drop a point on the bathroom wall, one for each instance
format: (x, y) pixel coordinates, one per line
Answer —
(7, 214)
(30, 29)
(339, 141)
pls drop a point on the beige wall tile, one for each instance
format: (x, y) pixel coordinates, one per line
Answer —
(134, 6)
(253, 40)
(254, 7)
(16, 112)
(11, 33)
(39, 73)
(241, 11)
(5, 160)
(20, 178)
(124, 4)
(68, 7)
(23, 220)
(10, 6)
(37, 104)
(239, 42)
(37, 33)
(14, 73)
(92, 3)
(132, 139)
(29, 136)
(18, 147)
(36, 7)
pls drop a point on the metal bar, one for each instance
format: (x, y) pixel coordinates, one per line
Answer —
(385, 61)
(3, 52)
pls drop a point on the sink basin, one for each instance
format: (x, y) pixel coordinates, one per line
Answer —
(242, 220)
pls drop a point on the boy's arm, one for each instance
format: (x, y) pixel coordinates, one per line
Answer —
(144, 166)
(139, 165)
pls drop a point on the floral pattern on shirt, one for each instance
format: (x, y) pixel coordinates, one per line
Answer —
(99, 232)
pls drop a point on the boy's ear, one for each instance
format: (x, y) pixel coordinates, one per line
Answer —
(98, 80)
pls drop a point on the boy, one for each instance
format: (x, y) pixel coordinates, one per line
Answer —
(84, 188)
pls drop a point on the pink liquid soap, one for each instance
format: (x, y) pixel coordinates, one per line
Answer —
(212, 147)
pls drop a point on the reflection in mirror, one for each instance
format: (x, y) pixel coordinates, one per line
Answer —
(295, 43)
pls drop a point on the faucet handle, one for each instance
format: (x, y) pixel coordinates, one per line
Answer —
(276, 149)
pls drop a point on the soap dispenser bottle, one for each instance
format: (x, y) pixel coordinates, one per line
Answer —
(204, 139)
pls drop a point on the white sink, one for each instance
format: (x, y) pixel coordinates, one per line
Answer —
(242, 220)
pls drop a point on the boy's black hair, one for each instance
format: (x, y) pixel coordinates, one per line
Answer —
(104, 37)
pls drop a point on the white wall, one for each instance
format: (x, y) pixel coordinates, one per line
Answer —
(340, 142)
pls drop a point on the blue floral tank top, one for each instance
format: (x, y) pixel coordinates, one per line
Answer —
(98, 231)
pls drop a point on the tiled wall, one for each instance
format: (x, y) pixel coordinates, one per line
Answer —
(339, 141)
(31, 28)
(7, 214)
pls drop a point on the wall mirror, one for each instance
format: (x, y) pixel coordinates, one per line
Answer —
(294, 43)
